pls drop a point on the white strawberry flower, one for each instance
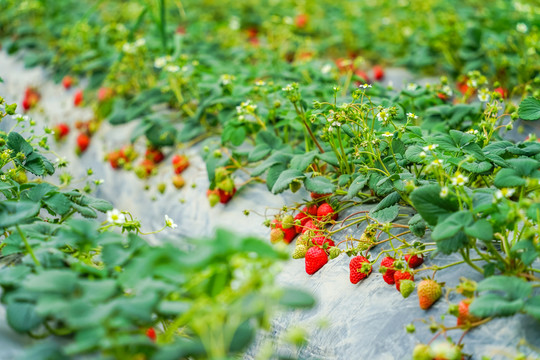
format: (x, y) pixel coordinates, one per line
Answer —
(170, 223)
(459, 180)
(116, 217)
(444, 192)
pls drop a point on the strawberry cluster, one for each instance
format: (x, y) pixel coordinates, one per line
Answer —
(122, 158)
(224, 188)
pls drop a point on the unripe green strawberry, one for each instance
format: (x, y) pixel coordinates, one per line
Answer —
(226, 185)
(334, 252)
(287, 222)
(429, 291)
(406, 288)
(213, 197)
(20, 176)
(445, 350)
(295, 185)
(422, 352)
(276, 235)
(299, 251)
(161, 188)
(402, 275)
(221, 173)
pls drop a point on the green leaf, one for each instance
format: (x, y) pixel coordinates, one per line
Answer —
(448, 233)
(386, 215)
(494, 305)
(388, 201)
(525, 250)
(302, 161)
(427, 201)
(22, 317)
(59, 203)
(512, 287)
(480, 229)
(53, 281)
(529, 109)
(285, 178)
(295, 298)
(357, 185)
(532, 307)
(417, 225)
(273, 174)
(508, 178)
(319, 185)
(17, 212)
(259, 152)
(18, 144)
(243, 336)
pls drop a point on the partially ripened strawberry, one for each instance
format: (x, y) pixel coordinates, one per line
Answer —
(429, 291)
(113, 157)
(154, 154)
(378, 72)
(387, 268)
(326, 212)
(78, 98)
(180, 163)
(67, 82)
(316, 258)
(145, 168)
(464, 316)
(301, 21)
(288, 233)
(31, 98)
(61, 131)
(83, 141)
(178, 181)
(321, 240)
(302, 218)
(359, 268)
(413, 260)
(501, 91)
(276, 235)
(402, 275)
(104, 94)
(151, 333)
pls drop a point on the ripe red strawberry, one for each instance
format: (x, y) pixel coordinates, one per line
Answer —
(312, 210)
(78, 98)
(67, 82)
(181, 30)
(344, 64)
(151, 333)
(104, 94)
(464, 316)
(154, 154)
(303, 218)
(316, 258)
(501, 91)
(178, 181)
(363, 76)
(26, 104)
(83, 141)
(60, 131)
(301, 21)
(359, 268)
(402, 275)
(463, 87)
(388, 264)
(180, 163)
(442, 96)
(326, 212)
(378, 72)
(113, 158)
(225, 197)
(321, 240)
(429, 291)
(413, 260)
(311, 226)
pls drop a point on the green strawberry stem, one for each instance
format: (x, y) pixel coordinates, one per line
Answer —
(28, 247)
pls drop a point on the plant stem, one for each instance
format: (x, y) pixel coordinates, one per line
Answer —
(28, 247)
